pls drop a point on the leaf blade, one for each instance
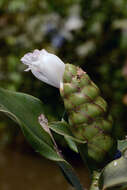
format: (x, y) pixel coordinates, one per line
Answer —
(26, 109)
(114, 175)
(62, 128)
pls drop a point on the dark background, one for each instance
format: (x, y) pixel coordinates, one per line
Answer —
(88, 33)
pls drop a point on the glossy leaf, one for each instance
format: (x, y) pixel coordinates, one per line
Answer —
(122, 145)
(114, 175)
(70, 174)
(62, 128)
(25, 110)
(71, 144)
(66, 168)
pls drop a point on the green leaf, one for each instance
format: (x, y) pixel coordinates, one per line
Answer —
(66, 168)
(70, 174)
(25, 110)
(122, 145)
(62, 128)
(71, 144)
(114, 175)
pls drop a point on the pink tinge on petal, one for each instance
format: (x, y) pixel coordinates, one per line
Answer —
(43, 51)
(47, 67)
(26, 58)
(35, 55)
(36, 52)
(30, 58)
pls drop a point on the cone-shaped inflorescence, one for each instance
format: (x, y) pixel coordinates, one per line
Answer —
(87, 110)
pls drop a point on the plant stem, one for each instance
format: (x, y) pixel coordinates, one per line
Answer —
(95, 178)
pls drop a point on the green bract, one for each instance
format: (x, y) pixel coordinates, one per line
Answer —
(87, 110)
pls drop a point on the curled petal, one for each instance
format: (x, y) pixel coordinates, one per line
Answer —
(45, 66)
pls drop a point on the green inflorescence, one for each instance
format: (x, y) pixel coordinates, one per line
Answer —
(88, 114)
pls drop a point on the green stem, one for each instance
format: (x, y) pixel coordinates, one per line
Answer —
(82, 148)
(95, 178)
(91, 167)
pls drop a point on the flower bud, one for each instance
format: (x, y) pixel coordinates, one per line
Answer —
(88, 116)
(45, 66)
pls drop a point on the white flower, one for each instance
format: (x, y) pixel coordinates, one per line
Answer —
(47, 67)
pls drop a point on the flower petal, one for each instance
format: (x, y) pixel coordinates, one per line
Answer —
(45, 66)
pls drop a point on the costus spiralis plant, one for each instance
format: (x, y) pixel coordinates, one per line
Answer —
(88, 126)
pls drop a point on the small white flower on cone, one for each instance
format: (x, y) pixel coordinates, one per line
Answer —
(47, 67)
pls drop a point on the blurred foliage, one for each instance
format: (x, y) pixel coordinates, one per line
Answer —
(89, 33)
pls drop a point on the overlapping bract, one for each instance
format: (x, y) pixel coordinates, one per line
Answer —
(88, 115)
